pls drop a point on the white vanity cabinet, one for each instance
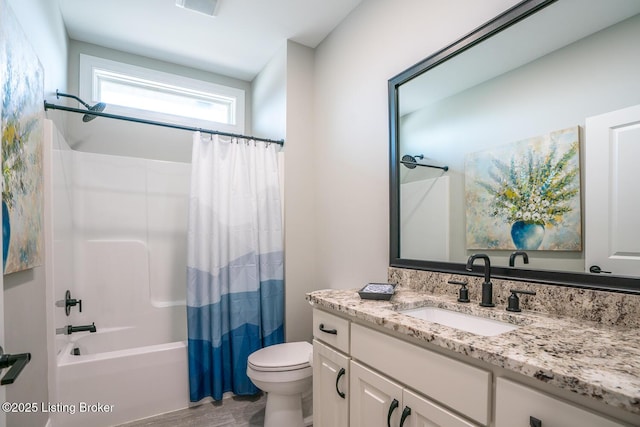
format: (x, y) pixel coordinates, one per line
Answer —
(519, 405)
(377, 401)
(437, 378)
(363, 377)
(331, 394)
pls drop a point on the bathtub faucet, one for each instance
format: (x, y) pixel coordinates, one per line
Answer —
(72, 329)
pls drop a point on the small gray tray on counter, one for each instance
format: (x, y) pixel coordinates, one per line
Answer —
(379, 291)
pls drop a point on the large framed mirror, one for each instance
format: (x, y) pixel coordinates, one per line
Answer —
(525, 94)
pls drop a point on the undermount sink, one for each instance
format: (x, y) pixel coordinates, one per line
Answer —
(463, 321)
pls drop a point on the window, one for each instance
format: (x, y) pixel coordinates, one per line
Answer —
(154, 95)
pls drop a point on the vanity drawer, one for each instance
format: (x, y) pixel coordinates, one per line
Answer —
(332, 330)
(516, 404)
(462, 387)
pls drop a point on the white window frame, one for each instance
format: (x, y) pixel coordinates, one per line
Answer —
(88, 91)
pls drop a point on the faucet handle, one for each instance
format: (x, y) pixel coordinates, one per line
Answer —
(71, 302)
(463, 295)
(514, 301)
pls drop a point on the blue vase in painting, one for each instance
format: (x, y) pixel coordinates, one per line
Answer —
(6, 234)
(527, 235)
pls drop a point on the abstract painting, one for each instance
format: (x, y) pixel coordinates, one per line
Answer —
(525, 195)
(21, 77)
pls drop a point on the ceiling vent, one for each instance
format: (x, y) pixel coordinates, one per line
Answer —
(207, 7)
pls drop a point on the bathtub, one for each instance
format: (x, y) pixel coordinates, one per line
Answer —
(113, 381)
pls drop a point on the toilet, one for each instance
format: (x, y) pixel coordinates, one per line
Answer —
(284, 372)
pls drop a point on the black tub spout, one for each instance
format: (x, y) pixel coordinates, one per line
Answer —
(86, 328)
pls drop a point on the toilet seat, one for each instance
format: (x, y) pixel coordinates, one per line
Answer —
(291, 356)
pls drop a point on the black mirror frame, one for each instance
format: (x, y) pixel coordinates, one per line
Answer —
(560, 278)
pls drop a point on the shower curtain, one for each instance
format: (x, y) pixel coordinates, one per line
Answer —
(235, 288)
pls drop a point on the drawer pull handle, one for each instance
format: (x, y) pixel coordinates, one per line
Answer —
(405, 413)
(392, 408)
(534, 422)
(340, 373)
(328, 331)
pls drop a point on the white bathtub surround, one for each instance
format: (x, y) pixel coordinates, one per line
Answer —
(119, 239)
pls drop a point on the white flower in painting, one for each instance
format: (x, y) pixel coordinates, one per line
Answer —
(526, 216)
(536, 216)
(518, 214)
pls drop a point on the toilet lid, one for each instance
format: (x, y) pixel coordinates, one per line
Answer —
(282, 357)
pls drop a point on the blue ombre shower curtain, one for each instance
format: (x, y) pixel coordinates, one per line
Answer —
(235, 288)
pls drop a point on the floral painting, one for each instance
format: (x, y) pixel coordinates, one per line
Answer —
(22, 115)
(525, 195)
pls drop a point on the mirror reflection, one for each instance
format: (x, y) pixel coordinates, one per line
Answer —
(501, 135)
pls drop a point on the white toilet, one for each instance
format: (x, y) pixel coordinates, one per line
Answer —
(284, 372)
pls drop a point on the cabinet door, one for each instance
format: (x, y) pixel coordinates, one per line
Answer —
(425, 413)
(521, 406)
(330, 387)
(375, 400)
(464, 388)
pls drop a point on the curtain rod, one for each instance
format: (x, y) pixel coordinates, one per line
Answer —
(49, 106)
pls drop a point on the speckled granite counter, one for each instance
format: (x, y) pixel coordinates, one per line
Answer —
(587, 358)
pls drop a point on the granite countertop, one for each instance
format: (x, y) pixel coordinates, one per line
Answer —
(587, 358)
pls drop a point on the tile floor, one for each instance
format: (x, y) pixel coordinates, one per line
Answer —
(231, 412)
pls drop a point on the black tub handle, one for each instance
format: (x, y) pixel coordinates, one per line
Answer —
(392, 407)
(340, 374)
(328, 331)
(405, 413)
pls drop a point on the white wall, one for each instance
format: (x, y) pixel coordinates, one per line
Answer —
(282, 107)
(376, 41)
(42, 23)
(25, 303)
(299, 213)
(269, 98)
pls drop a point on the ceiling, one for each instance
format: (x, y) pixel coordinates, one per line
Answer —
(238, 42)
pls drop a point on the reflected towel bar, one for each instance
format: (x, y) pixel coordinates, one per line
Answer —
(444, 168)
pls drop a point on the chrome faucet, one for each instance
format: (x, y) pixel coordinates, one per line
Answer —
(487, 286)
(512, 258)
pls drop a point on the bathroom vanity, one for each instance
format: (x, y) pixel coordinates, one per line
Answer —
(377, 366)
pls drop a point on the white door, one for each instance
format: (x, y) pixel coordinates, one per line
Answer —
(330, 387)
(612, 192)
(376, 401)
